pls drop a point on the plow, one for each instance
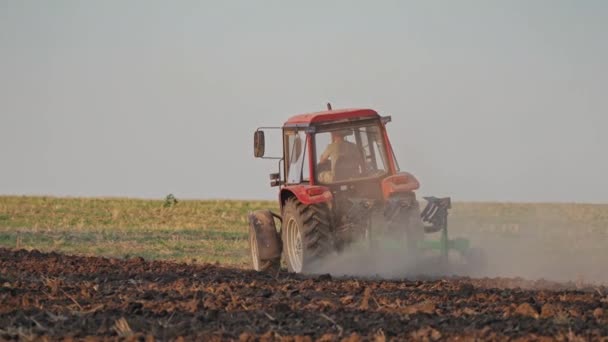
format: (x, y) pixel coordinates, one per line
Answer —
(340, 186)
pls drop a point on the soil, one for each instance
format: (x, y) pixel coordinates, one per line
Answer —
(56, 297)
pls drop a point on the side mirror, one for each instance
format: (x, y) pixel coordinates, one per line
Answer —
(258, 144)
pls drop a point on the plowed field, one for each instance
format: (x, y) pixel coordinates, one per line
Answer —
(56, 296)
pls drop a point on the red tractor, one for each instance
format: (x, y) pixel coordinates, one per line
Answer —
(339, 183)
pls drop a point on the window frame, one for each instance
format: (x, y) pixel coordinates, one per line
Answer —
(339, 126)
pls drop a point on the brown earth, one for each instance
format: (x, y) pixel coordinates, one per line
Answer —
(55, 296)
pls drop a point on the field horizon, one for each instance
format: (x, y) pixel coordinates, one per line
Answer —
(244, 199)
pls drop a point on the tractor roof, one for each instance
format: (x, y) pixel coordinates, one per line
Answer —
(331, 116)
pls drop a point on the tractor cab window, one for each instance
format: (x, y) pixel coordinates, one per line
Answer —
(296, 157)
(350, 153)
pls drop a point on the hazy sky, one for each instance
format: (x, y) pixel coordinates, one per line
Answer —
(490, 100)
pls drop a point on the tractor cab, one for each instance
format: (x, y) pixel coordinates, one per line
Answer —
(338, 150)
(330, 154)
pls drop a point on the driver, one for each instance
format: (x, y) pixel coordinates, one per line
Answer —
(340, 148)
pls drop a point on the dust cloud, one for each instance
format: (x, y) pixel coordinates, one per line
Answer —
(536, 247)
(533, 255)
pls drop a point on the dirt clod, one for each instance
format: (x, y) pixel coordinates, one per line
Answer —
(548, 310)
(525, 309)
(598, 313)
(426, 307)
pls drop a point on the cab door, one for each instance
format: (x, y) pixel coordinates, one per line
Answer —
(296, 156)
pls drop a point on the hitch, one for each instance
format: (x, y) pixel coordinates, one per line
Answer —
(396, 204)
(357, 216)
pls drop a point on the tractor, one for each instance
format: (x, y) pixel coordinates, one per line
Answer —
(339, 184)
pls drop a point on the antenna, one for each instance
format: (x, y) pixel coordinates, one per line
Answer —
(328, 106)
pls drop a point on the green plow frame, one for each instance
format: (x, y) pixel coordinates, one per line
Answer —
(435, 217)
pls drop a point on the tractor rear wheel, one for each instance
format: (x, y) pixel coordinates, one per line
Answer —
(306, 234)
(406, 223)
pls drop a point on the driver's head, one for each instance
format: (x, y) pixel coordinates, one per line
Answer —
(339, 135)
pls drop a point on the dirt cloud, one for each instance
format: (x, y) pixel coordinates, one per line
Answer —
(540, 243)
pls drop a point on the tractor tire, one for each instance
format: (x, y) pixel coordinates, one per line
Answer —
(264, 242)
(266, 266)
(306, 235)
(407, 224)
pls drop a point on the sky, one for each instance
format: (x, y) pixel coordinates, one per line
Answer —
(490, 100)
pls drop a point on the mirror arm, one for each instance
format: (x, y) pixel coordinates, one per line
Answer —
(262, 128)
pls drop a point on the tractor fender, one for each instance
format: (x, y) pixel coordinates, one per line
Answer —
(268, 240)
(307, 194)
(401, 182)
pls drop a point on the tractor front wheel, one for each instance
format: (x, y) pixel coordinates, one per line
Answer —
(264, 242)
(270, 266)
(306, 235)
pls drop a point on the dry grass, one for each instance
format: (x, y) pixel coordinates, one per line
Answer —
(211, 231)
(207, 231)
